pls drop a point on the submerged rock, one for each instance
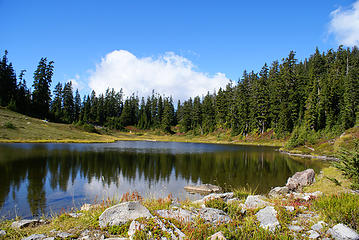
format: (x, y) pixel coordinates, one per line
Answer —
(204, 188)
(268, 218)
(341, 232)
(122, 213)
(301, 179)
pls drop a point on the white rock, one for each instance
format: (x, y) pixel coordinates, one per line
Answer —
(204, 188)
(25, 223)
(2, 233)
(224, 196)
(213, 215)
(268, 218)
(318, 226)
(178, 214)
(63, 235)
(278, 191)
(341, 232)
(35, 237)
(134, 226)
(313, 234)
(122, 213)
(289, 208)
(255, 201)
(217, 236)
(295, 228)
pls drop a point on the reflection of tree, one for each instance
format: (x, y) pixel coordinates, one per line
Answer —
(232, 169)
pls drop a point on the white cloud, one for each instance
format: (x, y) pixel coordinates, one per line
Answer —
(76, 83)
(169, 74)
(344, 25)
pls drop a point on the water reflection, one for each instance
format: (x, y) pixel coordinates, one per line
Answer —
(39, 178)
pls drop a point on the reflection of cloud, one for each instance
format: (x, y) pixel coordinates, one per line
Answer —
(170, 74)
(345, 25)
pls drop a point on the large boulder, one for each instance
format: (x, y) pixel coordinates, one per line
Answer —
(204, 188)
(213, 215)
(268, 218)
(341, 232)
(179, 214)
(122, 213)
(255, 201)
(301, 179)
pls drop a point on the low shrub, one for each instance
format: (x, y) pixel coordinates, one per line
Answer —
(216, 203)
(120, 230)
(9, 125)
(244, 192)
(341, 208)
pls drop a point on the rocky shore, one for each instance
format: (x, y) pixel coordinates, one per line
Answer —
(285, 212)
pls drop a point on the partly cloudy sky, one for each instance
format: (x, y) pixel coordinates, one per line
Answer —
(344, 24)
(168, 74)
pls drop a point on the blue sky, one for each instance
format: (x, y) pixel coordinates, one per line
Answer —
(205, 37)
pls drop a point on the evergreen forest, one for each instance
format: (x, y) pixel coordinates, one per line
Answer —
(288, 97)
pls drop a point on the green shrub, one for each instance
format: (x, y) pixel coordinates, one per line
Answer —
(9, 125)
(120, 230)
(244, 192)
(349, 164)
(342, 208)
(216, 203)
(89, 128)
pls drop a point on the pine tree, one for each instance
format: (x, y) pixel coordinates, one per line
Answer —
(77, 105)
(7, 81)
(56, 104)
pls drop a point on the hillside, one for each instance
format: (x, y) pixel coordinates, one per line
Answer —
(15, 127)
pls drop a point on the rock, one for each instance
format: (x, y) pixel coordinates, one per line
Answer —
(295, 228)
(218, 235)
(172, 230)
(122, 213)
(49, 238)
(318, 226)
(35, 237)
(289, 208)
(313, 234)
(301, 179)
(255, 201)
(213, 215)
(87, 207)
(303, 208)
(278, 191)
(134, 226)
(224, 196)
(178, 214)
(204, 188)
(232, 200)
(2, 233)
(116, 238)
(64, 235)
(268, 218)
(25, 223)
(341, 232)
(76, 215)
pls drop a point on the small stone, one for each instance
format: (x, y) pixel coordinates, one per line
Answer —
(295, 228)
(303, 208)
(63, 235)
(76, 215)
(213, 215)
(49, 238)
(25, 223)
(2, 233)
(255, 201)
(341, 231)
(278, 191)
(268, 218)
(179, 214)
(313, 234)
(318, 226)
(35, 237)
(217, 236)
(134, 226)
(289, 208)
(224, 196)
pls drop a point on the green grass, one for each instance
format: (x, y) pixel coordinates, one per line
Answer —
(339, 208)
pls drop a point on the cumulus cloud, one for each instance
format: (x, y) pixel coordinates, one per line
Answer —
(344, 25)
(76, 82)
(169, 74)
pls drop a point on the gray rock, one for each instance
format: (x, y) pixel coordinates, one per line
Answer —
(172, 230)
(213, 215)
(313, 234)
(268, 218)
(204, 188)
(49, 238)
(76, 215)
(301, 179)
(63, 235)
(278, 191)
(318, 226)
(134, 226)
(178, 214)
(295, 228)
(122, 213)
(217, 236)
(25, 223)
(224, 196)
(255, 201)
(35, 237)
(116, 238)
(87, 207)
(2, 233)
(341, 232)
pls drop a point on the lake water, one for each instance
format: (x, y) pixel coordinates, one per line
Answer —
(38, 179)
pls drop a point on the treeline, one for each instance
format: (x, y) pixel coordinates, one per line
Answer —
(320, 93)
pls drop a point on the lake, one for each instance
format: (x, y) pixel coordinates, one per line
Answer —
(37, 179)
